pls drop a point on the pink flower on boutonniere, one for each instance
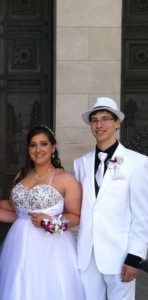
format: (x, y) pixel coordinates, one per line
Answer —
(114, 164)
(118, 160)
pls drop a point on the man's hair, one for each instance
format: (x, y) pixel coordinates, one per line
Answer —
(102, 110)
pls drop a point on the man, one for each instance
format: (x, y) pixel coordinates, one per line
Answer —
(113, 232)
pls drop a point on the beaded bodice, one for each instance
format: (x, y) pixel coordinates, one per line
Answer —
(38, 197)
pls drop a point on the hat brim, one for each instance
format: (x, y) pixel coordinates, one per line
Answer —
(118, 113)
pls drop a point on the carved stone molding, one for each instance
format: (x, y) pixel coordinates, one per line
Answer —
(27, 65)
(18, 8)
(139, 7)
(17, 124)
(137, 59)
(135, 10)
(135, 130)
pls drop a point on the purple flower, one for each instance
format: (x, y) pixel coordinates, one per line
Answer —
(118, 160)
(55, 225)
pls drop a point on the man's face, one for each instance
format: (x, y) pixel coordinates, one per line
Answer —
(104, 128)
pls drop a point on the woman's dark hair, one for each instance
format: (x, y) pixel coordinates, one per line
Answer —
(55, 160)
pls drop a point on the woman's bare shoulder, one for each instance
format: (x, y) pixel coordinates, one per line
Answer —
(65, 174)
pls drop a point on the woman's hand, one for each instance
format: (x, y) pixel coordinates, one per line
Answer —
(37, 218)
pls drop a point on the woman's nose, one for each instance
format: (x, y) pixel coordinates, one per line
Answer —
(38, 148)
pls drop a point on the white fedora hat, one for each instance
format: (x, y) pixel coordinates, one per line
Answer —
(105, 104)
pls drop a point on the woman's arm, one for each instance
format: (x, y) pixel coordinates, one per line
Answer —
(7, 216)
(6, 204)
(73, 199)
(7, 212)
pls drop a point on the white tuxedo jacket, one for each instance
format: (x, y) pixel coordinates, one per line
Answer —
(116, 222)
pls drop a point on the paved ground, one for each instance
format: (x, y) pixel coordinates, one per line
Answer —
(142, 286)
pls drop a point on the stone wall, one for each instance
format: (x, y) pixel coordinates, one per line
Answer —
(88, 65)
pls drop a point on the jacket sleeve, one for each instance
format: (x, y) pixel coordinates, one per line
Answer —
(75, 172)
(138, 237)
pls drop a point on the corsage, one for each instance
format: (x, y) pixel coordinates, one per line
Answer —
(114, 166)
(57, 224)
(118, 160)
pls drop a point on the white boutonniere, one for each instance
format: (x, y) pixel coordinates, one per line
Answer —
(114, 164)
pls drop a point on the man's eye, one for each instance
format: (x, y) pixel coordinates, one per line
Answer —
(105, 119)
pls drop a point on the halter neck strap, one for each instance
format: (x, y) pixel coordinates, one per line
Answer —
(51, 176)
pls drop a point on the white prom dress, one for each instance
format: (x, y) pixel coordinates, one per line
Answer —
(35, 265)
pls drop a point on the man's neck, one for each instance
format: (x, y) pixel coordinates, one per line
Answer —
(110, 150)
(104, 146)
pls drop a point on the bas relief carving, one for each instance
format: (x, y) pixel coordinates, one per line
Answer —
(26, 69)
(134, 83)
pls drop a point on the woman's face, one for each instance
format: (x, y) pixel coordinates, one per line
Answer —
(40, 149)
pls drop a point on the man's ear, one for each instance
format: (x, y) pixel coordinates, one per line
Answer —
(117, 124)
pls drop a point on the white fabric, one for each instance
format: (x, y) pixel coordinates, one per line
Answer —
(100, 286)
(35, 265)
(105, 104)
(116, 222)
(100, 171)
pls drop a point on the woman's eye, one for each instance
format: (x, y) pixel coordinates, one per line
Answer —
(44, 144)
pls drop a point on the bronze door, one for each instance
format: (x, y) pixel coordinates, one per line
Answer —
(26, 79)
(134, 133)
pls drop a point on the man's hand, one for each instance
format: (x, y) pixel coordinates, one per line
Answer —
(128, 273)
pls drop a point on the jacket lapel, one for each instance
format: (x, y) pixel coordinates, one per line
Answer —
(107, 180)
(89, 162)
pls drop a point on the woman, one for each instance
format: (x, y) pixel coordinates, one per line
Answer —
(35, 264)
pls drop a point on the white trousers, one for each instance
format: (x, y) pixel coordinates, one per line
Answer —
(100, 286)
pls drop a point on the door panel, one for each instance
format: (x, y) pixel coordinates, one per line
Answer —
(136, 122)
(26, 79)
(135, 75)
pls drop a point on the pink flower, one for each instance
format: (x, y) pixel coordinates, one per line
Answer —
(55, 225)
(118, 160)
(114, 166)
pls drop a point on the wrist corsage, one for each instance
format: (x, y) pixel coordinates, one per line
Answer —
(57, 224)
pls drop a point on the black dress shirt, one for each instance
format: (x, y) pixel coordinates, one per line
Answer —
(110, 151)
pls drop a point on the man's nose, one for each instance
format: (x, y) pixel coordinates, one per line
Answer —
(99, 123)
